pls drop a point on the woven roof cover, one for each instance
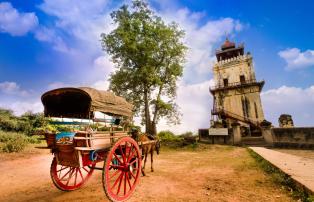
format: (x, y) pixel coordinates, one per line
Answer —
(80, 102)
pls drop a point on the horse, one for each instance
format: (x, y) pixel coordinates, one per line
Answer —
(147, 148)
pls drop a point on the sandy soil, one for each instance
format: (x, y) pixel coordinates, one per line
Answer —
(211, 173)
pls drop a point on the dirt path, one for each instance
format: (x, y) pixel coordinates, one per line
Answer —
(298, 152)
(214, 173)
(298, 168)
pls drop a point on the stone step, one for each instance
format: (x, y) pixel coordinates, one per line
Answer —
(253, 141)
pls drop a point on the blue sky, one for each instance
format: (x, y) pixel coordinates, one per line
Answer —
(46, 44)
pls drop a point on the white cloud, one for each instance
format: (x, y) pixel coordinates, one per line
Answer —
(104, 64)
(14, 22)
(77, 28)
(57, 84)
(296, 101)
(195, 104)
(49, 35)
(12, 88)
(20, 107)
(201, 38)
(85, 20)
(101, 85)
(296, 59)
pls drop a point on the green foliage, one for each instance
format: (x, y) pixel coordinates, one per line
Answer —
(8, 121)
(63, 128)
(12, 142)
(187, 134)
(149, 55)
(193, 146)
(27, 123)
(168, 136)
(33, 121)
(34, 139)
(15, 142)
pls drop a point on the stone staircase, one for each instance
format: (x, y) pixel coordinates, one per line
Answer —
(254, 141)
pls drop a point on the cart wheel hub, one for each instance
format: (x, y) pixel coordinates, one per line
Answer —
(127, 168)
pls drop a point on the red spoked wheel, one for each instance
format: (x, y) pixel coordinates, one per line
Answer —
(121, 170)
(67, 178)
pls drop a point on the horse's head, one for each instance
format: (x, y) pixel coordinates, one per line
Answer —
(157, 146)
(134, 134)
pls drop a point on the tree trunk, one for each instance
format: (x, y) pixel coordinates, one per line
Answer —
(148, 123)
(153, 124)
(154, 130)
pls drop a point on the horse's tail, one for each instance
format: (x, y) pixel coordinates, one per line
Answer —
(157, 146)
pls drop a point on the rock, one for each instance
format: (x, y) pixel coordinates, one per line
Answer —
(285, 121)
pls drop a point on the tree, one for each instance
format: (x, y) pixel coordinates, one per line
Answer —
(149, 57)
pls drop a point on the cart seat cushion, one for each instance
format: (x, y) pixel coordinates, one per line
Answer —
(65, 138)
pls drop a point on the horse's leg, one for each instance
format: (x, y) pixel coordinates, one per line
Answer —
(145, 158)
(151, 158)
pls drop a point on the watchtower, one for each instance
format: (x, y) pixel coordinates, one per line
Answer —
(236, 94)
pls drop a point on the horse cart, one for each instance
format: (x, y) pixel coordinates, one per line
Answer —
(78, 152)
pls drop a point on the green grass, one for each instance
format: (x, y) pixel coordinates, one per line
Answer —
(282, 179)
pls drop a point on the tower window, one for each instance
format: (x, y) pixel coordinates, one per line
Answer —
(246, 107)
(225, 82)
(242, 79)
(256, 114)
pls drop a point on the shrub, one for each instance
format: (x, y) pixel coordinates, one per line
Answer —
(16, 145)
(13, 142)
(8, 124)
(26, 123)
(16, 142)
(168, 136)
(186, 134)
(33, 139)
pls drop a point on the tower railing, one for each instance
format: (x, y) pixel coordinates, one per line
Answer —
(220, 111)
(236, 84)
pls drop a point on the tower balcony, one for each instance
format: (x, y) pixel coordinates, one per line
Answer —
(229, 86)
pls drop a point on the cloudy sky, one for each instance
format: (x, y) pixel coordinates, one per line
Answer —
(46, 44)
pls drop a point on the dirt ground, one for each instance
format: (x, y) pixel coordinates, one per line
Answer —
(208, 173)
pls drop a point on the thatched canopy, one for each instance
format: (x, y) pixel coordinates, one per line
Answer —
(81, 102)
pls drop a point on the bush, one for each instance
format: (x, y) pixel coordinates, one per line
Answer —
(12, 142)
(16, 145)
(26, 123)
(168, 136)
(8, 124)
(16, 142)
(186, 134)
(33, 139)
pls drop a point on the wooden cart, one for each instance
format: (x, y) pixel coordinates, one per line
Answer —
(77, 153)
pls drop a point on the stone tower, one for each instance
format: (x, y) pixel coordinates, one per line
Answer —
(236, 93)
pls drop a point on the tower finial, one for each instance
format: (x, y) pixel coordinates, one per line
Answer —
(227, 36)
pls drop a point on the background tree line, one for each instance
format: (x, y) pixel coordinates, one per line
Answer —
(26, 123)
(16, 131)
